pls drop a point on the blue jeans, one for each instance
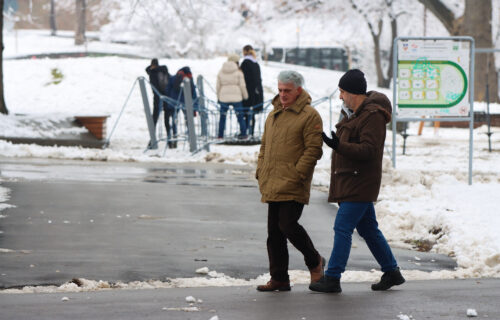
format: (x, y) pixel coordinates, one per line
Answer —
(170, 115)
(359, 215)
(238, 108)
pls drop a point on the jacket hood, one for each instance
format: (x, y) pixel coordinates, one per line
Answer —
(302, 100)
(186, 70)
(376, 101)
(229, 67)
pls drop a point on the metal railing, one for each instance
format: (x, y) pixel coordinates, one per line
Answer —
(198, 126)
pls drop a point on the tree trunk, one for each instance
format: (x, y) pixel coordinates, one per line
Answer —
(477, 24)
(80, 22)
(378, 64)
(444, 15)
(394, 33)
(382, 81)
(3, 107)
(53, 28)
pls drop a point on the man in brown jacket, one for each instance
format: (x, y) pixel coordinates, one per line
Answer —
(355, 181)
(291, 146)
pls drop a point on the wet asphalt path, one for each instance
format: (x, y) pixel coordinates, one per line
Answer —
(443, 300)
(136, 221)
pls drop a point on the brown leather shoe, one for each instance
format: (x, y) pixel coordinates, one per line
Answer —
(318, 272)
(274, 285)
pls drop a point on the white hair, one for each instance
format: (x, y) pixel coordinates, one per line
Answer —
(290, 76)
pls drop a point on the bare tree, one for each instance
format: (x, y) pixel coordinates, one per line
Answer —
(81, 8)
(53, 28)
(476, 22)
(385, 11)
(3, 107)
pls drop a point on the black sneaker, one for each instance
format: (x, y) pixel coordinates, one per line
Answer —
(326, 284)
(389, 279)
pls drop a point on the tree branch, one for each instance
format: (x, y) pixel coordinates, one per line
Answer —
(444, 15)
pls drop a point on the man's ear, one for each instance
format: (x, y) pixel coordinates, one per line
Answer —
(299, 89)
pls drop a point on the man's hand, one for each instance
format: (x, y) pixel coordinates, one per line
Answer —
(333, 142)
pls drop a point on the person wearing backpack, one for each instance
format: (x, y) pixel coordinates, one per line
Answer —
(158, 77)
(175, 92)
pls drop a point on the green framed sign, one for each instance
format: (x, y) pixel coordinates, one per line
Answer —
(433, 77)
(421, 84)
(433, 80)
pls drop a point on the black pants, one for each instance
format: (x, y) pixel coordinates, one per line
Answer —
(168, 114)
(249, 118)
(282, 224)
(156, 108)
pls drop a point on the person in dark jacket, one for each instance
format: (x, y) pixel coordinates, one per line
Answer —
(356, 175)
(158, 77)
(253, 80)
(175, 92)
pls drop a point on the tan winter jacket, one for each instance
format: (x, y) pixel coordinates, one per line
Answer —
(231, 83)
(291, 146)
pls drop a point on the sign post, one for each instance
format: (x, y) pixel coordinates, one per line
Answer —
(433, 77)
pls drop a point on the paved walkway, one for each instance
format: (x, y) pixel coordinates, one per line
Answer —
(444, 300)
(130, 221)
(127, 222)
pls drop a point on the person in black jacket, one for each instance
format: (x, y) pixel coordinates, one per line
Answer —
(158, 77)
(253, 80)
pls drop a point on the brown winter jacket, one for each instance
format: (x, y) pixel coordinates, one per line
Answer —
(357, 163)
(291, 146)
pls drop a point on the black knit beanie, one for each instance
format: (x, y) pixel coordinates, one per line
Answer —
(353, 81)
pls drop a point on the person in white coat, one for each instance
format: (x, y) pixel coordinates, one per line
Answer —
(231, 90)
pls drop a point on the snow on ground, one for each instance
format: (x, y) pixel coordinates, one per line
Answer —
(4, 196)
(221, 280)
(40, 125)
(425, 200)
(30, 42)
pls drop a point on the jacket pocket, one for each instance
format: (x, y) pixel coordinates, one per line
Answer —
(346, 183)
(262, 178)
(287, 180)
(295, 173)
(347, 171)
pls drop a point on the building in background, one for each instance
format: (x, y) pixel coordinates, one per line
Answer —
(333, 58)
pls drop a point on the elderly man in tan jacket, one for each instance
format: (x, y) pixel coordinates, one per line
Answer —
(291, 146)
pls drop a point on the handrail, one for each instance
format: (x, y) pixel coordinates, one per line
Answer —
(210, 111)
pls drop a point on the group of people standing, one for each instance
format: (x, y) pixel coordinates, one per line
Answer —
(170, 86)
(240, 86)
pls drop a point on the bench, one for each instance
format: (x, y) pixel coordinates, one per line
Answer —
(96, 125)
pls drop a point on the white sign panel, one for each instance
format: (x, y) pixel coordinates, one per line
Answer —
(433, 77)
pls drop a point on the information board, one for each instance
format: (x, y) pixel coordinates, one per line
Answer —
(433, 77)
